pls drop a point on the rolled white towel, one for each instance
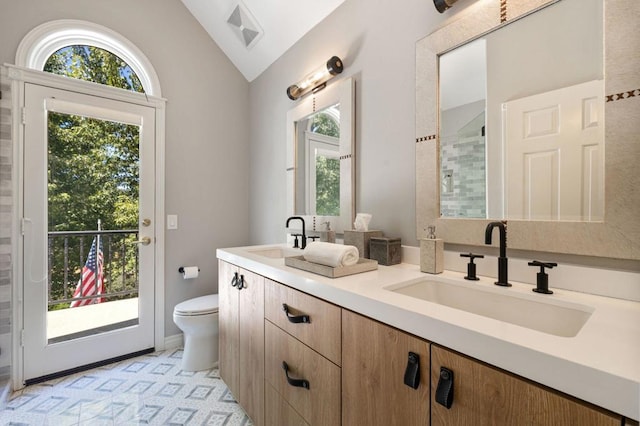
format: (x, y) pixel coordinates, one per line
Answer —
(331, 254)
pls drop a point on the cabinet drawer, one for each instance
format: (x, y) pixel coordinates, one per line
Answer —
(484, 395)
(278, 412)
(322, 332)
(319, 404)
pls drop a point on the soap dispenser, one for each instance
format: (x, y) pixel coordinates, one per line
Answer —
(432, 253)
(328, 235)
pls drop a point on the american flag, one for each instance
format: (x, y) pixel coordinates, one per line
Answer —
(92, 280)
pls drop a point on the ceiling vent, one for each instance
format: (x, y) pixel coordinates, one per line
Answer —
(245, 25)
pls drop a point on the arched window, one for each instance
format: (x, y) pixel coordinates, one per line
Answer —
(52, 38)
(326, 122)
(93, 64)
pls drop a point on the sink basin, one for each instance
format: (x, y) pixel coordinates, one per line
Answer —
(275, 252)
(551, 316)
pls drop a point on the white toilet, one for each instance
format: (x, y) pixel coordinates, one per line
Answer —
(198, 320)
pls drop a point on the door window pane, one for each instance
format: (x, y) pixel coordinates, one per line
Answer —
(93, 189)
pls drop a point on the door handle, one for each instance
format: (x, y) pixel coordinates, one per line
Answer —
(412, 372)
(145, 241)
(298, 383)
(444, 391)
(295, 319)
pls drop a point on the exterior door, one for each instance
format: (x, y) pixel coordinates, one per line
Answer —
(88, 229)
(555, 154)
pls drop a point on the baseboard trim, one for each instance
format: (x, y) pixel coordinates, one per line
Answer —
(175, 341)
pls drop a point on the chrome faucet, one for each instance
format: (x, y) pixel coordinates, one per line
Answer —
(503, 279)
(303, 244)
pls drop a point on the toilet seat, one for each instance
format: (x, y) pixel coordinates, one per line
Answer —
(203, 305)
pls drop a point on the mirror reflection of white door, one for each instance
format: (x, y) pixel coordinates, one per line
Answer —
(554, 161)
(63, 339)
(319, 146)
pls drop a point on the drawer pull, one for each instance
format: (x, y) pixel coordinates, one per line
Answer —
(241, 283)
(298, 383)
(234, 280)
(295, 319)
(412, 372)
(444, 391)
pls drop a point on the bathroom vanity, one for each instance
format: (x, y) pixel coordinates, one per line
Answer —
(371, 349)
(397, 346)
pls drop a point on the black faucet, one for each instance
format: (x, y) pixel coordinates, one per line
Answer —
(304, 236)
(503, 279)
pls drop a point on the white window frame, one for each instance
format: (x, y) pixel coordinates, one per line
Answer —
(46, 39)
(317, 144)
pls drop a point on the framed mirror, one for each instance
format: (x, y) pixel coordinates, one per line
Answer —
(521, 113)
(615, 230)
(320, 158)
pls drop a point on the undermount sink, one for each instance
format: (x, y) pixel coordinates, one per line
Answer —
(275, 252)
(551, 316)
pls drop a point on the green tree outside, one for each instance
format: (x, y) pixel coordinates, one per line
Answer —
(90, 63)
(327, 169)
(327, 186)
(92, 175)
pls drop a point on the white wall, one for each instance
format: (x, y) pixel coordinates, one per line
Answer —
(376, 39)
(206, 124)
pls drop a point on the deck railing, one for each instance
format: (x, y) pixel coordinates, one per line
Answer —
(67, 254)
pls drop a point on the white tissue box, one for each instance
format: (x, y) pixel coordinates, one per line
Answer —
(360, 239)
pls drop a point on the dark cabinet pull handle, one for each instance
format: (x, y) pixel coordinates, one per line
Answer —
(295, 319)
(444, 391)
(412, 372)
(241, 283)
(298, 383)
(234, 280)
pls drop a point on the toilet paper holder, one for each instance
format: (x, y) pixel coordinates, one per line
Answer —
(181, 269)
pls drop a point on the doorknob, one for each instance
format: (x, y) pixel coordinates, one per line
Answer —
(146, 222)
(145, 241)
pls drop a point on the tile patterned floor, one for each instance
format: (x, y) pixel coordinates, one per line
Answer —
(147, 390)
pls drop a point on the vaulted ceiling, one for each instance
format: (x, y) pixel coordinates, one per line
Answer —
(254, 33)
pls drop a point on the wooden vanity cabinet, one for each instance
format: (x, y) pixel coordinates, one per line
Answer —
(356, 368)
(306, 336)
(241, 321)
(484, 395)
(374, 360)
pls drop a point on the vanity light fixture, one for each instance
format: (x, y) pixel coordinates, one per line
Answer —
(316, 80)
(442, 5)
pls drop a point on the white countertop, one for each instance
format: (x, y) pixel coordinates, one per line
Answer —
(601, 364)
